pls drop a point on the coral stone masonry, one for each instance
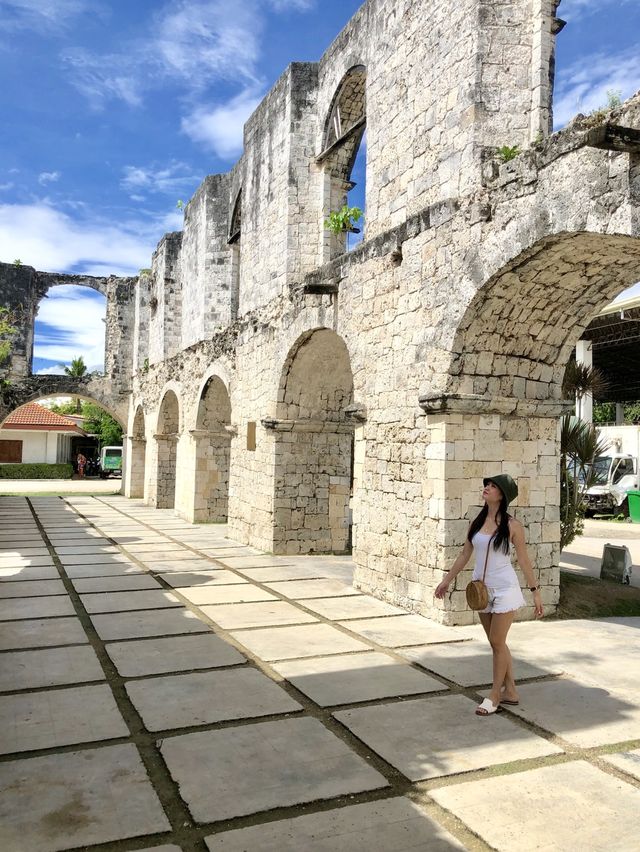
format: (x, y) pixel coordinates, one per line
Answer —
(322, 401)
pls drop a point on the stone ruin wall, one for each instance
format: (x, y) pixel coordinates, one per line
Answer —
(458, 312)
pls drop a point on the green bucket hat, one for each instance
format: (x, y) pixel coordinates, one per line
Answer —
(505, 483)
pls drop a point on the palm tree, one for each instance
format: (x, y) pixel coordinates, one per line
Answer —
(580, 380)
(77, 370)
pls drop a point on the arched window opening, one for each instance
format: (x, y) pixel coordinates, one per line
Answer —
(344, 160)
(69, 334)
(235, 231)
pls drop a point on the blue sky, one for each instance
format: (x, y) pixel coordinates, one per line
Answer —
(113, 110)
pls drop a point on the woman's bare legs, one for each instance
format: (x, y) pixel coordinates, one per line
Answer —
(499, 625)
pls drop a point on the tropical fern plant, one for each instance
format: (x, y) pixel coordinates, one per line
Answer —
(579, 448)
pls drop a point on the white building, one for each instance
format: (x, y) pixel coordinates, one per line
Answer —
(33, 434)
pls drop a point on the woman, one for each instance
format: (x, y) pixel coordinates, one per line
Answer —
(490, 536)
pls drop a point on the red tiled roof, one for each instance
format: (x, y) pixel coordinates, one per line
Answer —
(34, 416)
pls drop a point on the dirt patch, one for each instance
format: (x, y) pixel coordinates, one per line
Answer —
(587, 597)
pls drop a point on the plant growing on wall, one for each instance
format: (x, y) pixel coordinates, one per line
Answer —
(341, 221)
(7, 331)
(508, 152)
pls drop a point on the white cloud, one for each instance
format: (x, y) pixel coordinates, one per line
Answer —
(6, 186)
(584, 85)
(569, 10)
(220, 127)
(74, 327)
(42, 15)
(46, 238)
(48, 177)
(175, 177)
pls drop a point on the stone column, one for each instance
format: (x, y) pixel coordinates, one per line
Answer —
(165, 492)
(584, 355)
(473, 437)
(133, 473)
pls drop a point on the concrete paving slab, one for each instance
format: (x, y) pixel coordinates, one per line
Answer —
(595, 811)
(180, 566)
(467, 663)
(203, 595)
(24, 561)
(64, 801)
(307, 640)
(398, 630)
(313, 588)
(18, 608)
(7, 550)
(202, 698)
(153, 622)
(93, 549)
(361, 606)
(41, 632)
(165, 848)
(32, 588)
(291, 761)
(160, 547)
(127, 601)
(431, 737)
(346, 679)
(273, 573)
(253, 561)
(171, 557)
(238, 616)
(35, 572)
(224, 552)
(203, 579)
(395, 824)
(118, 569)
(48, 667)
(582, 714)
(58, 717)
(178, 653)
(627, 761)
(94, 559)
(119, 583)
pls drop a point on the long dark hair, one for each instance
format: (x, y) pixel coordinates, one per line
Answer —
(501, 540)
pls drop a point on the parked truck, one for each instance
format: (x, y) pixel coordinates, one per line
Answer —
(616, 471)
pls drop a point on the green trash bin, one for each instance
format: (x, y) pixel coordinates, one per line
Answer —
(634, 506)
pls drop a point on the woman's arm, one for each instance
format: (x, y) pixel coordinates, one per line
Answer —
(456, 568)
(517, 537)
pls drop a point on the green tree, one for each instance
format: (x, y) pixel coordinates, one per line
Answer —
(77, 370)
(101, 423)
(7, 331)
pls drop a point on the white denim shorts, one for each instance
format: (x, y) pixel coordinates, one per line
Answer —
(505, 600)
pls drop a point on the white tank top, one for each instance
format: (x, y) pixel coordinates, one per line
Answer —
(500, 572)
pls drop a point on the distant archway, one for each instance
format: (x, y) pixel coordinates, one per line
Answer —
(314, 447)
(167, 445)
(138, 454)
(213, 448)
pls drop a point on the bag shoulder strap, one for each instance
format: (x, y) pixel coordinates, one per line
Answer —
(486, 558)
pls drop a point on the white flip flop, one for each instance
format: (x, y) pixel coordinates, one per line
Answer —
(487, 708)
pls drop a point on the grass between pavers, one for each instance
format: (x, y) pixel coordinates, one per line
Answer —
(590, 597)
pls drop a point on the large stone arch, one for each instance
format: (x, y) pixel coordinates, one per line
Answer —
(516, 334)
(314, 447)
(91, 388)
(166, 438)
(499, 400)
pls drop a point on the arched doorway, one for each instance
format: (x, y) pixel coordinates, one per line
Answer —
(498, 404)
(167, 444)
(137, 455)
(314, 448)
(213, 447)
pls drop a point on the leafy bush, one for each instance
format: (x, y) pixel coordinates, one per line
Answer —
(36, 471)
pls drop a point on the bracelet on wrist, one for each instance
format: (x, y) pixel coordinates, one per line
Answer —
(534, 588)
